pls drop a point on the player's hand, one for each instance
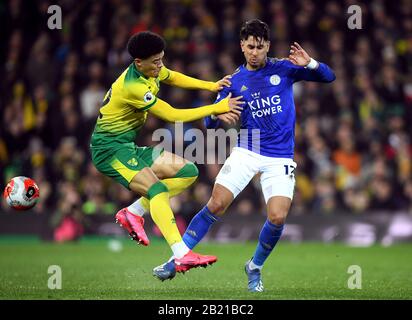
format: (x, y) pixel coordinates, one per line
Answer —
(235, 104)
(228, 118)
(225, 82)
(298, 56)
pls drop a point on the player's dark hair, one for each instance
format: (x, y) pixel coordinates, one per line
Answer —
(255, 28)
(144, 44)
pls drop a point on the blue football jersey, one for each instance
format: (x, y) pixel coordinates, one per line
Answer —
(268, 115)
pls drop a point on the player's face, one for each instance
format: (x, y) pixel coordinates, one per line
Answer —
(151, 66)
(255, 51)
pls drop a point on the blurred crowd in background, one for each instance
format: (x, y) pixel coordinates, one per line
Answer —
(353, 136)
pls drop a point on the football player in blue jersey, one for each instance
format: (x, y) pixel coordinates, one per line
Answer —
(266, 85)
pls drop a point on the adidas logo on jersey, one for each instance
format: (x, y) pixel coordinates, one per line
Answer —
(244, 88)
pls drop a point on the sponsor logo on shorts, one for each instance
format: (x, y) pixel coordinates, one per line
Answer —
(132, 162)
(226, 169)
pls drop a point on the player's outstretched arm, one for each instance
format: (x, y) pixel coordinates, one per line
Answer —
(308, 68)
(180, 80)
(213, 122)
(166, 112)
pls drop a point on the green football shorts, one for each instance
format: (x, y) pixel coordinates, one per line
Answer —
(122, 162)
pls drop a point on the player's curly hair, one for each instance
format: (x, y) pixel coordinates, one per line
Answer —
(255, 28)
(144, 44)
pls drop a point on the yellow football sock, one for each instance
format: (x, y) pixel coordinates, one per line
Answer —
(162, 214)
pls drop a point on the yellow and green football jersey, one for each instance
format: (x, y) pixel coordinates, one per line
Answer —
(124, 112)
(122, 115)
(124, 108)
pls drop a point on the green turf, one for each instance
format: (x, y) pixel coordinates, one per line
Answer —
(295, 271)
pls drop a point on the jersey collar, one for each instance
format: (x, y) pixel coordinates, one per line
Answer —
(253, 71)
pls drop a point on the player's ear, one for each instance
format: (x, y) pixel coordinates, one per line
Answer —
(138, 62)
(241, 45)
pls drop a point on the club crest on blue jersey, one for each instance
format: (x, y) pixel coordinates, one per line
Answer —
(274, 79)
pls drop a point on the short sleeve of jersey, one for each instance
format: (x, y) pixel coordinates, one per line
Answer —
(139, 96)
(164, 73)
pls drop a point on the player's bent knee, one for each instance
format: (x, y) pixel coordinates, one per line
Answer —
(217, 206)
(277, 217)
(142, 181)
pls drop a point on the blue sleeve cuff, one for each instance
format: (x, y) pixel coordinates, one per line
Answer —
(211, 124)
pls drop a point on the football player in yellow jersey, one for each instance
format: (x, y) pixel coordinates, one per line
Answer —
(151, 172)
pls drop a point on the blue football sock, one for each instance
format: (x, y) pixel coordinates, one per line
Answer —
(269, 236)
(198, 227)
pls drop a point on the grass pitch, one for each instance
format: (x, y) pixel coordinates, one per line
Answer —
(91, 270)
